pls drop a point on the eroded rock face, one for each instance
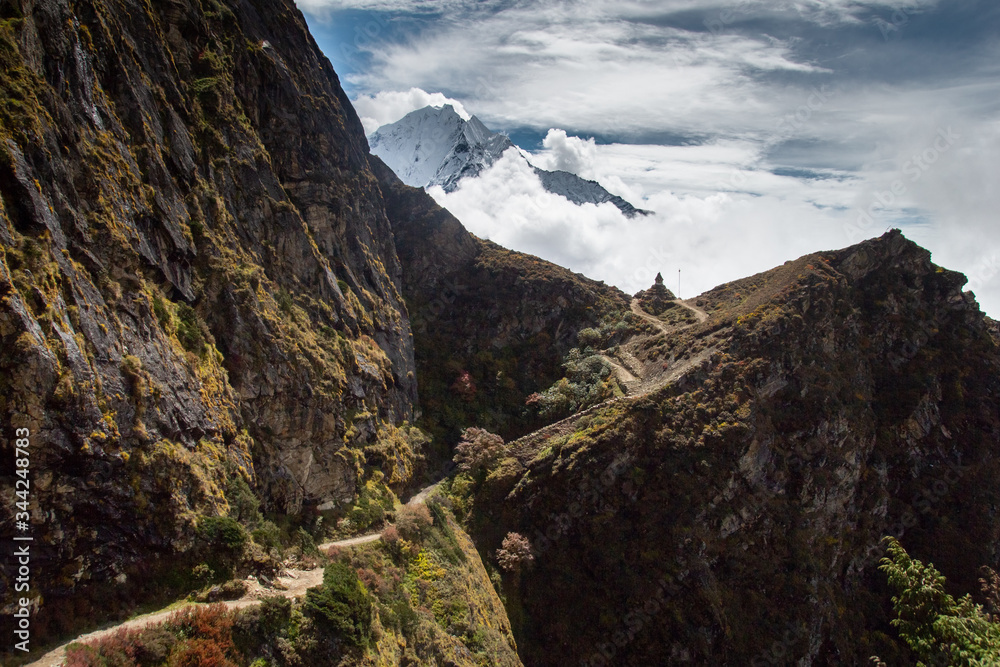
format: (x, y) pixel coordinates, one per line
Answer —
(198, 275)
(734, 517)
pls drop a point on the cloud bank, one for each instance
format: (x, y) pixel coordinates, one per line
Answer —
(711, 237)
(756, 128)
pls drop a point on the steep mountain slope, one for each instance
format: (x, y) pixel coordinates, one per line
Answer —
(433, 146)
(490, 325)
(198, 280)
(734, 516)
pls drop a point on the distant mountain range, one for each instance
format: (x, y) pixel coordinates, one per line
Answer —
(436, 146)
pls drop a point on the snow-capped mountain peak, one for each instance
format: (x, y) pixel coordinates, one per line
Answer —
(436, 146)
(432, 146)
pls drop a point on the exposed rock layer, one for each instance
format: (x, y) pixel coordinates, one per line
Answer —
(198, 277)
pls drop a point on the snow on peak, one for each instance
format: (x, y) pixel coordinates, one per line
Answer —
(436, 146)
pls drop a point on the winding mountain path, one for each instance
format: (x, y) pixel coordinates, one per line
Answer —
(625, 376)
(665, 328)
(292, 584)
(630, 373)
(698, 312)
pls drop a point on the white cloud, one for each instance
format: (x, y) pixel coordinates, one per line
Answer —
(389, 106)
(566, 153)
(712, 237)
(598, 73)
(718, 216)
(407, 6)
(751, 103)
(823, 12)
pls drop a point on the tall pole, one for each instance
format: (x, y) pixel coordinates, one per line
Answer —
(678, 283)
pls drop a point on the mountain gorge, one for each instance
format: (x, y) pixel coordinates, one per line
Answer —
(201, 290)
(234, 334)
(491, 326)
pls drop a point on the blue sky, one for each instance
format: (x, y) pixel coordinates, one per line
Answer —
(756, 131)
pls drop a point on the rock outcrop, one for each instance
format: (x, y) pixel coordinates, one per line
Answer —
(198, 280)
(735, 516)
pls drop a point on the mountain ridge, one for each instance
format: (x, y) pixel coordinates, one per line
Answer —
(833, 400)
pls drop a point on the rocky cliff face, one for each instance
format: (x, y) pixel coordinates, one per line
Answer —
(734, 516)
(204, 276)
(198, 278)
(490, 325)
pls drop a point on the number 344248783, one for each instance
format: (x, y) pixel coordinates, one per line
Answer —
(22, 463)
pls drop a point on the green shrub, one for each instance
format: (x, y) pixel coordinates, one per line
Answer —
(163, 314)
(413, 521)
(341, 605)
(939, 629)
(189, 331)
(478, 450)
(306, 543)
(223, 532)
(274, 614)
(589, 337)
(243, 504)
(374, 500)
(256, 628)
(202, 574)
(285, 301)
(267, 535)
(585, 384)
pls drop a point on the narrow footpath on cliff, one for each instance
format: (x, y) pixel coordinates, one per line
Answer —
(292, 583)
(630, 373)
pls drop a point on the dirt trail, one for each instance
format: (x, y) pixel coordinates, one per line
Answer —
(293, 583)
(698, 312)
(655, 321)
(665, 328)
(625, 376)
(630, 372)
(521, 446)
